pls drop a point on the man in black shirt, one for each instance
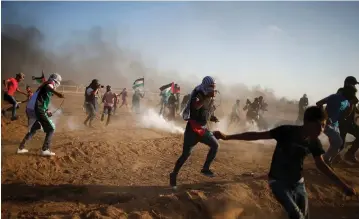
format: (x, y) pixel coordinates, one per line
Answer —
(294, 143)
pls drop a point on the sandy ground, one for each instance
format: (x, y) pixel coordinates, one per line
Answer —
(121, 171)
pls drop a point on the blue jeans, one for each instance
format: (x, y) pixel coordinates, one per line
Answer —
(335, 141)
(293, 198)
(11, 100)
(91, 111)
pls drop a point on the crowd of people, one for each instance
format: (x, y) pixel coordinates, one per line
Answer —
(294, 142)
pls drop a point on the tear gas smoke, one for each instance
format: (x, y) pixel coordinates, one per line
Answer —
(151, 119)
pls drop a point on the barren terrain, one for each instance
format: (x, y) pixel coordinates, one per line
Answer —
(121, 171)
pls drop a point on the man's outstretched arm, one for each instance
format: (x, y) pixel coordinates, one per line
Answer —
(246, 136)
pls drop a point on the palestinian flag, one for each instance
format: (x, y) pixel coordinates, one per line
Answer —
(169, 88)
(39, 80)
(139, 83)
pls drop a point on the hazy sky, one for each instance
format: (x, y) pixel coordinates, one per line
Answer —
(292, 47)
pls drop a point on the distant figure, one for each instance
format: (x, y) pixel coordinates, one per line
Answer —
(171, 105)
(109, 99)
(235, 114)
(123, 95)
(136, 98)
(40, 79)
(185, 101)
(302, 106)
(91, 93)
(29, 93)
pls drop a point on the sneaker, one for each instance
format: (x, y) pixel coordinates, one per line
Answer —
(173, 180)
(14, 118)
(22, 151)
(208, 173)
(47, 153)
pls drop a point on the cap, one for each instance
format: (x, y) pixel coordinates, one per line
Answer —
(350, 80)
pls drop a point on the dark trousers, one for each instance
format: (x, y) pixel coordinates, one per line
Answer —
(13, 102)
(48, 127)
(293, 198)
(109, 110)
(190, 140)
(353, 129)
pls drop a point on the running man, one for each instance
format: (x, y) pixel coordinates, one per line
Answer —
(109, 100)
(124, 95)
(136, 99)
(185, 100)
(171, 105)
(91, 93)
(338, 105)
(302, 105)
(196, 113)
(349, 125)
(11, 86)
(41, 79)
(235, 115)
(294, 143)
(39, 116)
(29, 92)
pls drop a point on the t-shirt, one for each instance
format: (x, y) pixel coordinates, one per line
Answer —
(109, 98)
(235, 109)
(12, 86)
(336, 105)
(41, 99)
(124, 95)
(289, 153)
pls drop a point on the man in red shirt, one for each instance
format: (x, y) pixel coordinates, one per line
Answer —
(11, 86)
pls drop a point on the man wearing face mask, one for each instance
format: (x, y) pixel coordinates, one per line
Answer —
(196, 113)
(39, 116)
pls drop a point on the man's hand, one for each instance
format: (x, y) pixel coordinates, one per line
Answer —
(214, 119)
(49, 114)
(60, 95)
(219, 135)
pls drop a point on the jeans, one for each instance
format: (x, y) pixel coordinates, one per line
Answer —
(190, 140)
(293, 198)
(335, 142)
(91, 110)
(13, 102)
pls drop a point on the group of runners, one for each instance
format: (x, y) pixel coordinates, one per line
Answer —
(294, 142)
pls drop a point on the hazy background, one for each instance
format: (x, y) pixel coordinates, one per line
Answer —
(290, 47)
